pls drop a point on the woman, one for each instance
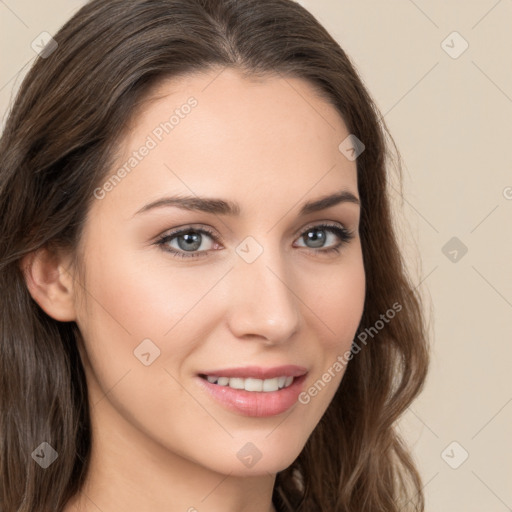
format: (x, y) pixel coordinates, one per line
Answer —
(204, 305)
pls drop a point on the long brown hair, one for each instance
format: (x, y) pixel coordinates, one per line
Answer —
(57, 146)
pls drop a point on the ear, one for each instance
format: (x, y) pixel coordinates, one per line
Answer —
(50, 282)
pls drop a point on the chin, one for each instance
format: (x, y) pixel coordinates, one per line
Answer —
(253, 459)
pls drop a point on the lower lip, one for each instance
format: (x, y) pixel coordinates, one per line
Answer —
(255, 403)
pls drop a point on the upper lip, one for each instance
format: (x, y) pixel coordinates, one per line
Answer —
(258, 372)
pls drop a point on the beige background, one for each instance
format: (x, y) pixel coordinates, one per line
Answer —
(452, 121)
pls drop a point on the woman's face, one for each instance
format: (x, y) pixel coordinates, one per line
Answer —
(262, 286)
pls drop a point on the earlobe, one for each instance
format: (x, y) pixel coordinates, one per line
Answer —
(50, 283)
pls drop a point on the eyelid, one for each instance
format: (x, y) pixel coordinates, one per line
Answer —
(319, 223)
(199, 228)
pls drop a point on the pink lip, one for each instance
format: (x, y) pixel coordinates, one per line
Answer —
(257, 372)
(255, 403)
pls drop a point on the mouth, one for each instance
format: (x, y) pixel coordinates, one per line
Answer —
(250, 383)
(254, 391)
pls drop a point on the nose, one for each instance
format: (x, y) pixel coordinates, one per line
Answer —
(262, 302)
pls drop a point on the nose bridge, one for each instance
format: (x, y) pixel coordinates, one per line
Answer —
(263, 303)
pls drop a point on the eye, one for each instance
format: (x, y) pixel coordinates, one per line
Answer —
(316, 236)
(189, 241)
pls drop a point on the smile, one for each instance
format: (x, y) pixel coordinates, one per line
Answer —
(251, 384)
(251, 396)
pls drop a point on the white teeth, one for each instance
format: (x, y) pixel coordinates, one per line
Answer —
(270, 384)
(251, 384)
(236, 383)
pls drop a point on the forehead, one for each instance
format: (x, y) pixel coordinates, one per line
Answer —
(218, 133)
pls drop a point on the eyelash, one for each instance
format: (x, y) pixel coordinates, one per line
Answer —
(344, 234)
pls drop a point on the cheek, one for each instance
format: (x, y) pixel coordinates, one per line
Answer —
(144, 296)
(134, 308)
(338, 301)
(132, 298)
(336, 310)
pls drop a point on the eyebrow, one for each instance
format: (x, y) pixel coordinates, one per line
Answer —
(223, 207)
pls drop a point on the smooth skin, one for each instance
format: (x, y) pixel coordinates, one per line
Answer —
(159, 442)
